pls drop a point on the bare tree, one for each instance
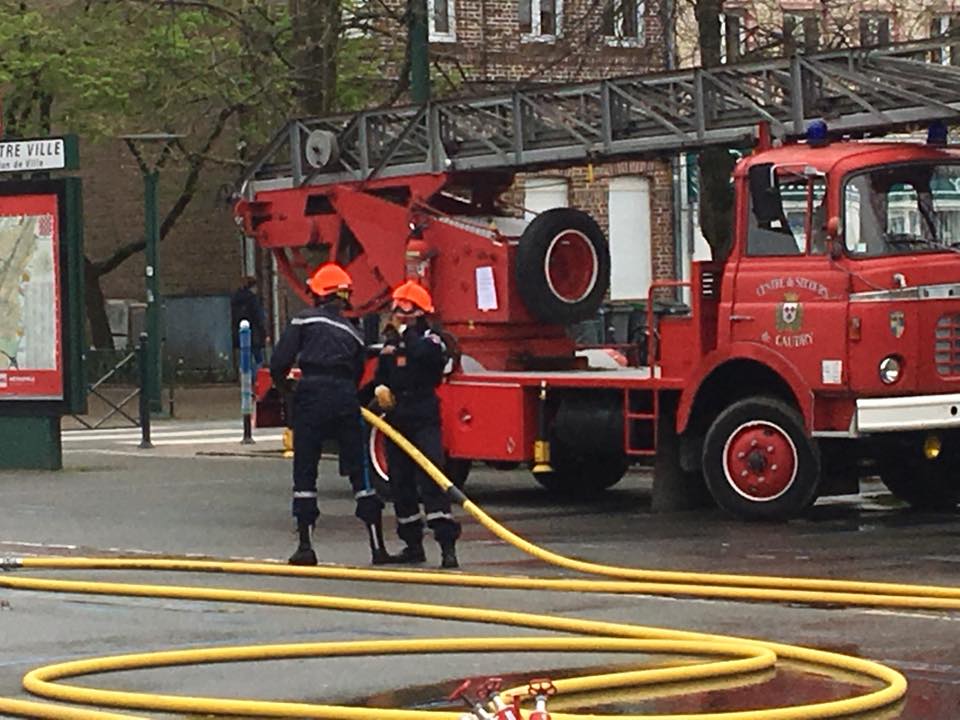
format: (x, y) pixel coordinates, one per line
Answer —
(317, 28)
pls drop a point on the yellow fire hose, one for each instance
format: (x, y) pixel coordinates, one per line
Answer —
(728, 657)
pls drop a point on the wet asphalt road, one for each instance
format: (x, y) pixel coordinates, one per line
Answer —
(112, 499)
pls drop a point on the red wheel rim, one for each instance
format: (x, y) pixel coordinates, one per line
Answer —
(378, 453)
(571, 266)
(760, 461)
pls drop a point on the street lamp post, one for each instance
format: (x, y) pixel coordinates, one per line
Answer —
(419, 44)
(151, 236)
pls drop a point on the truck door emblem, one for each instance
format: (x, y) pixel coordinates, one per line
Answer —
(790, 313)
(897, 321)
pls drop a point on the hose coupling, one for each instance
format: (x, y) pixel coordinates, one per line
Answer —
(9, 564)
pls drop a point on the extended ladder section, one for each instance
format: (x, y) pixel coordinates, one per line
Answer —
(859, 90)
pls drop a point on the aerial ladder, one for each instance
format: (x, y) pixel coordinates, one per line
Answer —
(860, 91)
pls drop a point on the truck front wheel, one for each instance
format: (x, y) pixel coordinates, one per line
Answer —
(759, 463)
(926, 484)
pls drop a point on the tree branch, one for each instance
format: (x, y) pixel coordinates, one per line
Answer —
(197, 161)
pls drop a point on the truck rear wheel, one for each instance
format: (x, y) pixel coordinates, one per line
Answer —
(563, 266)
(759, 463)
(925, 484)
(581, 476)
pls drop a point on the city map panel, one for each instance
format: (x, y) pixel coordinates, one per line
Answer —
(30, 359)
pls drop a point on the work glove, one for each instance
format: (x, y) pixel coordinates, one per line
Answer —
(385, 398)
(284, 384)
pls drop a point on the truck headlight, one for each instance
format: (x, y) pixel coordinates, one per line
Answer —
(890, 368)
(932, 447)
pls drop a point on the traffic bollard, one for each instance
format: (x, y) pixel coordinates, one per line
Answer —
(142, 359)
(246, 383)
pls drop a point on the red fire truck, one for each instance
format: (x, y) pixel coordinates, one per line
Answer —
(824, 346)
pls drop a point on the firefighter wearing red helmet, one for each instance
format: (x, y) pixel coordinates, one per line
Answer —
(409, 370)
(330, 354)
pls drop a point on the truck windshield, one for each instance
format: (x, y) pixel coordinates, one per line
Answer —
(899, 209)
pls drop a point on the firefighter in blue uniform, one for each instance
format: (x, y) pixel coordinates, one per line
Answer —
(409, 370)
(330, 354)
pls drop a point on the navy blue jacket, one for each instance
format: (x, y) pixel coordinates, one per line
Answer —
(413, 372)
(322, 342)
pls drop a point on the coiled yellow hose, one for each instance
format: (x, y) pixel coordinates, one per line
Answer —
(730, 656)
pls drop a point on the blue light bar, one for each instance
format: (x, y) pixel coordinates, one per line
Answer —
(818, 133)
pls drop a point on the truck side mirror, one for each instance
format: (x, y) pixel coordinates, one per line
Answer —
(833, 237)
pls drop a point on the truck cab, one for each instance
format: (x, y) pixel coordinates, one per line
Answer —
(840, 315)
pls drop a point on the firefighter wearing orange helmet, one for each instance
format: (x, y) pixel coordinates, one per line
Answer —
(408, 372)
(330, 354)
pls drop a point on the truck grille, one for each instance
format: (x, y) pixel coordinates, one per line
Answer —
(947, 346)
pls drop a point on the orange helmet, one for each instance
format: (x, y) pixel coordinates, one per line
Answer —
(412, 294)
(328, 279)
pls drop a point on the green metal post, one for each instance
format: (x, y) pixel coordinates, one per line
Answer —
(30, 443)
(151, 234)
(154, 300)
(419, 52)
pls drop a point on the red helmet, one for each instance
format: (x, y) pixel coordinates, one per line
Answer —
(328, 279)
(412, 293)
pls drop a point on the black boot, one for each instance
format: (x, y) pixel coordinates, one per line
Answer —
(448, 555)
(378, 551)
(304, 554)
(411, 554)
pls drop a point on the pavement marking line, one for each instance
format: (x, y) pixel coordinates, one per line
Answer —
(154, 455)
(123, 453)
(43, 546)
(162, 442)
(162, 425)
(917, 615)
(135, 434)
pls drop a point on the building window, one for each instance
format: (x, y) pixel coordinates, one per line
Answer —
(623, 22)
(875, 28)
(543, 192)
(442, 20)
(801, 31)
(631, 257)
(943, 25)
(733, 35)
(541, 20)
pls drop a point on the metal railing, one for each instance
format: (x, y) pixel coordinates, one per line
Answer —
(116, 407)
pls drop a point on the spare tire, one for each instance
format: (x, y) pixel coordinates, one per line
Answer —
(563, 266)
